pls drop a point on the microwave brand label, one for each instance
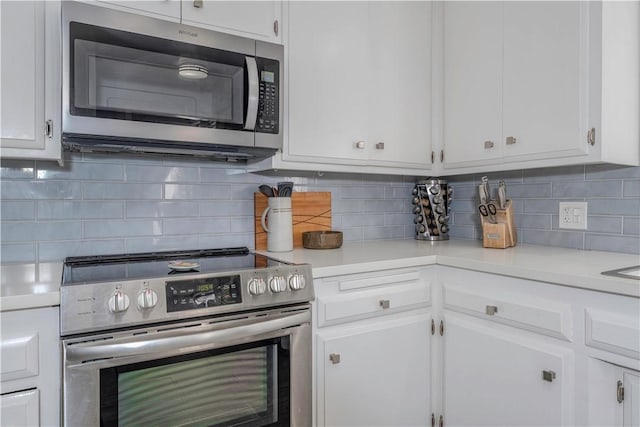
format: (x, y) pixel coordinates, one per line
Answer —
(188, 33)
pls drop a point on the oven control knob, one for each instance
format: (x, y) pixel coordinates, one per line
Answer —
(118, 302)
(278, 284)
(257, 286)
(296, 282)
(147, 298)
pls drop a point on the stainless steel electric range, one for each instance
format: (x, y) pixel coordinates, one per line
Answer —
(215, 337)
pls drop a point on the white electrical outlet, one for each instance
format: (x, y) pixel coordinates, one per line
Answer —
(573, 215)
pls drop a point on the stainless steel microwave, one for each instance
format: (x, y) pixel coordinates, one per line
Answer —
(134, 83)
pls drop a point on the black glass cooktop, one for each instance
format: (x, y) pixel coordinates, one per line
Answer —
(151, 265)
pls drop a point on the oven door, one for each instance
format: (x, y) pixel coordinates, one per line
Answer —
(239, 372)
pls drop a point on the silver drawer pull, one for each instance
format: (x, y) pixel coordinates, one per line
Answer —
(385, 304)
(548, 376)
(511, 140)
(198, 4)
(488, 144)
(380, 146)
(360, 145)
(491, 310)
(334, 358)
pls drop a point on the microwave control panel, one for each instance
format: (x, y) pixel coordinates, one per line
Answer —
(269, 96)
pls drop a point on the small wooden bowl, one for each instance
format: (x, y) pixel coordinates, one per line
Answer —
(322, 239)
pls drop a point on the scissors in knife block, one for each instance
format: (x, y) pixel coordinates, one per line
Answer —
(488, 210)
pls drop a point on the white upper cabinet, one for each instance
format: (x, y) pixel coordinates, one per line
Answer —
(328, 90)
(472, 82)
(30, 80)
(359, 84)
(164, 9)
(524, 84)
(255, 19)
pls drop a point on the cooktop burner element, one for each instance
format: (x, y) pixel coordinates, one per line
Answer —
(114, 291)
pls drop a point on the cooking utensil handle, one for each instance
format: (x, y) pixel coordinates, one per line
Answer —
(252, 92)
(142, 345)
(263, 219)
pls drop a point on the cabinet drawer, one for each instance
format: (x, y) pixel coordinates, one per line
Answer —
(19, 357)
(613, 332)
(349, 306)
(521, 311)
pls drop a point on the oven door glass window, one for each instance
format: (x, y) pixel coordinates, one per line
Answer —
(246, 385)
(120, 75)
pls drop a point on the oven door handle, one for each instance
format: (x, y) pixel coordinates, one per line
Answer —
(148, 346)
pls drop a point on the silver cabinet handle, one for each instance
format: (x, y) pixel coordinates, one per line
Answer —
(360, 145)
(48, 128)
(548, 375)
(385, 304)
(380, 146)
(198, 4)
(491, 310)
(511, 140)
(334, 358)
(275, 27)
(591, 136)
(488, 145)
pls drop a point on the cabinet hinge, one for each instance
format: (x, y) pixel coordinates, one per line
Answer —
(591, 136)
(433, 157)
(275, 27)
(441, 328)
(620, 392)
(48, 128)
(433, 327)
(441, 156)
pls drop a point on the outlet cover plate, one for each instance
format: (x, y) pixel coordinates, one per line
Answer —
(573, 215)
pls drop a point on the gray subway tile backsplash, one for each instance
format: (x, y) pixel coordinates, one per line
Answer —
(99, 204)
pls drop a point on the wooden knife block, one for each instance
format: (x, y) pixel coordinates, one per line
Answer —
(503, 234)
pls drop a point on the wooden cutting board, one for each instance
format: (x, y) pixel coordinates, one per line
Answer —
(311, 212)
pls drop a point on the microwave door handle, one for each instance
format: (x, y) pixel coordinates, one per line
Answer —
(252, 93)
(144, 346)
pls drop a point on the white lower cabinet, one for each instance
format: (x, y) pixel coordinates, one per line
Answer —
(30, 368)
(375, 373)
(21, 408)
(614, 395)
(373, 349)
(498, 377)
(451, 347)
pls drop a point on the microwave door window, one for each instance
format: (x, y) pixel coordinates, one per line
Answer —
(142, 78)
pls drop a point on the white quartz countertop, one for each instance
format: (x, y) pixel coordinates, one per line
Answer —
(30, 285)
(37, 285)
(560, 266)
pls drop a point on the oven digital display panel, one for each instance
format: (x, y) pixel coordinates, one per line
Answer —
(195, 294)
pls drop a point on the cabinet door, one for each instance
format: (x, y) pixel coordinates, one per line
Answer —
(30, 80)
(613, 395)
(495, 378)
(20, 409)
(328, 81)
(472, 83)
(544, 72)
(254, 19)
(164, 8)
(375, 374)
(400, 83)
